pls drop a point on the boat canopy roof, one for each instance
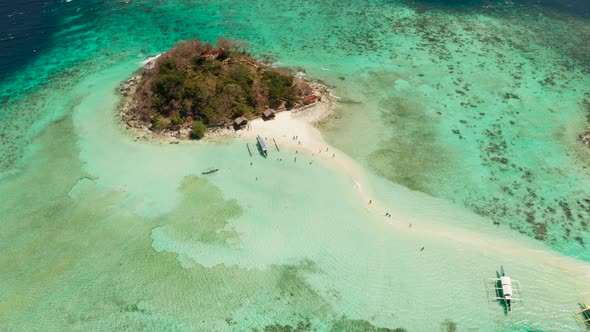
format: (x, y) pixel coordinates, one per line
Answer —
(261, 142)
(506, 286)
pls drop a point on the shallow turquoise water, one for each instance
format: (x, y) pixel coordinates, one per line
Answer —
(108, 233)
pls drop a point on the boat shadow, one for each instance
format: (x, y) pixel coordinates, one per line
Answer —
(260, 151)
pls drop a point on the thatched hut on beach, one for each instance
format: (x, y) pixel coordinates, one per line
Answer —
(268, 114)
(240, 121)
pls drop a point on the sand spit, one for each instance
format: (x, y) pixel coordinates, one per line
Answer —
(296, 131)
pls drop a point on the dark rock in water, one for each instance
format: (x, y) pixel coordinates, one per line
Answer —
(448, 326)
(509, 95)
(548, 81)
(504, 161)
(345, 324)
(540, 231)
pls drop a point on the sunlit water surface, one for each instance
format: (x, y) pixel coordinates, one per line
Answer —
(465, 119)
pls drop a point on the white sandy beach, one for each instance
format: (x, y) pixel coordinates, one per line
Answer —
(309, 141)
(296, 131)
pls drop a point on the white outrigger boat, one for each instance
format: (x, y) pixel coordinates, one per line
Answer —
(262, 145)
(504, 289)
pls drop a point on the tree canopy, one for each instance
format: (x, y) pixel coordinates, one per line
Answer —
(199, 83)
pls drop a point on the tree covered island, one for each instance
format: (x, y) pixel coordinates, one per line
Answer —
(196, 85)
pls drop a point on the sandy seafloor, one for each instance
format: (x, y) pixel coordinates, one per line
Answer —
(462, 119)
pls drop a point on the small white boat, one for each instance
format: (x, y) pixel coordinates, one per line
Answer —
(506, 283)
(262, 145)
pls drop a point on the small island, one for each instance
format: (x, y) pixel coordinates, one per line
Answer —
(196, 86)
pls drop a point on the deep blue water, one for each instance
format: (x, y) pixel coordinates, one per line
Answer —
(24, 30)
(26, 26)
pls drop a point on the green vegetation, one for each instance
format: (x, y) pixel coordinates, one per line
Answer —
(210, 86)
(176, 120)
(280, 89)
(157, 123)
(198, 129)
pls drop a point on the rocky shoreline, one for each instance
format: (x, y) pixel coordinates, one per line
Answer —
(132, 123)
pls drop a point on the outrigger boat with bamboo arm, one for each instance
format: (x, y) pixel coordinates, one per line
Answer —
(583, 315)
(504, 289)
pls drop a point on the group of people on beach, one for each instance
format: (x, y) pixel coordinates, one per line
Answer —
(297, 151)
(295, 138)
(388, 215)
